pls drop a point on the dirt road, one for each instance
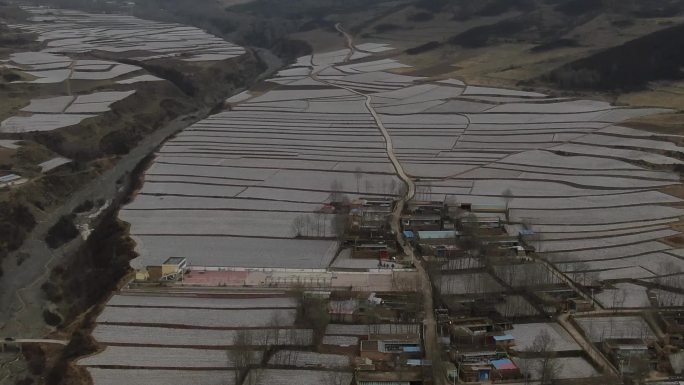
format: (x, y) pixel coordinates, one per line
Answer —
(587, 345)
(432, 348)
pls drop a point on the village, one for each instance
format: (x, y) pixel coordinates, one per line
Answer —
(504, 316)
(354, 217)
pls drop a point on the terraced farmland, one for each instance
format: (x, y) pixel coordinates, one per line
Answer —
(146, 335)
(73, 32)
(49, 114)
(226, 191)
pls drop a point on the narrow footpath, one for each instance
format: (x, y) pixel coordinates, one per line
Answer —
(432, 349)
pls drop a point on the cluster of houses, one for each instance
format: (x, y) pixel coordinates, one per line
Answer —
(432, 227)
(383, 332)
(478, 349)
(368, 233)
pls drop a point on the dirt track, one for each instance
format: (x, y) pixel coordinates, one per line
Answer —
(430, 326)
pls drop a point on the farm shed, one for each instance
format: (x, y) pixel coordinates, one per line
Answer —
(505, 369)
(390, 349)
(505, 340)
(172, 269)
(422, 222)
(437, 235)
(474, 372)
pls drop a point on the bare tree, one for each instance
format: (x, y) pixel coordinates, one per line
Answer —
(336, 378)
(319, 219)
(339, 225)
(525, 366)
(392, 187)
(533, 238)
(358, 174)
(369, 185)
(242, 355)
(402, 189)
(385, 187)
(508, 198)
(275, 325)
(336, 191)
(549, 368)
(298, 225)
(434, 268)
(428, 190)
(640, 368)
(405, 282)
(309, 225)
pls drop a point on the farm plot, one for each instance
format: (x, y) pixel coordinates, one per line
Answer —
(579, 202)
(156, 336)
(597, 243)
(665, 298)
(530, 274)
(624, 295)
(188, 335)
(202, 302)
(525, 334)
(298, 377)
(70, 32)
(213, 222)
(628, 227)
(50, 68)
(171, 358)
(568, 368)
(9, 144)
(598, 215)
(496, 187)
(361, 330)
(151, 202)
(619, 141)
(516, 306)
(618, 153)
(470, 283)
(308, 359)
(208, 318)
(41, 122)
(340, 340)
(49, 105)
(601, 328)
(62, 111)
(53, 163)
(236, 251)
(633, 272)
(614, 252)
(161, 377)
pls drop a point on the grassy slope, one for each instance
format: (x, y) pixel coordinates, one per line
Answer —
(511, 48)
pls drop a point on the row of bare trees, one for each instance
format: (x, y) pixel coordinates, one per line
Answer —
(388, 187)
(320, 225)
(310, 225)
(544, 362)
